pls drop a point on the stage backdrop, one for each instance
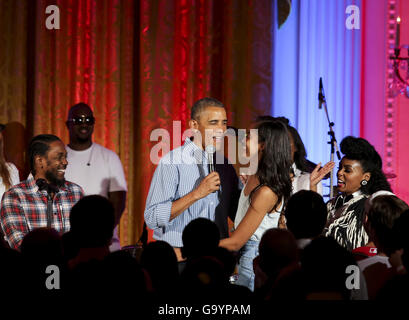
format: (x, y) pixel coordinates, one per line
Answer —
(356, 71)
(139, 65)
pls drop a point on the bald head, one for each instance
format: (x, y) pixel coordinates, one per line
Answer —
(79, 108)
(80, 124)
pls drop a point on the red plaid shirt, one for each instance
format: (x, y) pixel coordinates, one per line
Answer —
(24, 208)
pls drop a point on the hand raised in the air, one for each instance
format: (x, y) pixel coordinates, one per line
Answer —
(319, 173)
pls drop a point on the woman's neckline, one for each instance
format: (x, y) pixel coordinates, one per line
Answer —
(248, 181)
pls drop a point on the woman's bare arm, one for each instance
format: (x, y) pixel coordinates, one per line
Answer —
(263, 200)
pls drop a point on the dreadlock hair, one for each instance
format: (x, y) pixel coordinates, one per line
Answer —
(39, 146)
(361, 150)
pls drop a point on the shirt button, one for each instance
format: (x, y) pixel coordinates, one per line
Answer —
(211, 203)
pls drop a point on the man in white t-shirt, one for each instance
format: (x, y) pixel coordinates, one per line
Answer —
(96, 169)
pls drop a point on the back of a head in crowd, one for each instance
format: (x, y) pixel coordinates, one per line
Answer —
(324, 263)
(160, 260)
(92, 221)
(124, 274)
(361, 150)
(42, 246)
(401, 231)
(306, 214)
(200, 238)
(39, 146)
(382, 214)
(14, 270)
(203, 279)
(277, 250)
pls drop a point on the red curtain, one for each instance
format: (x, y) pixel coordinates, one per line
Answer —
(139, 64)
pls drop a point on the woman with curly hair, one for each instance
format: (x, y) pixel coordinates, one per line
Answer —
(359, 176)
(263, 196)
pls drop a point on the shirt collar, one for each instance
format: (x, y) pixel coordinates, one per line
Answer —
(297, 172)
(194, 151)
(347, 198)
(31, 183)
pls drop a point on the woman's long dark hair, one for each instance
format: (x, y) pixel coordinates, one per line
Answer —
(300, 154)
(361, 150)
(275, 162)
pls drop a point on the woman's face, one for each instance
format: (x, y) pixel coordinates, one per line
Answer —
(253, 147)
(350, 174)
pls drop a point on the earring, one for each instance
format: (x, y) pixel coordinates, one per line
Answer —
(364, 182)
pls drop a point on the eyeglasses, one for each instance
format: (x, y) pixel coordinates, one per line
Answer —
(82, 120)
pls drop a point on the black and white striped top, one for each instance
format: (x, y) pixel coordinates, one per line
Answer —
(346, 216)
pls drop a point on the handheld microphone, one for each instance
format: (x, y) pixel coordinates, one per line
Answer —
(321, 95)
(210, 149)
(42, 184)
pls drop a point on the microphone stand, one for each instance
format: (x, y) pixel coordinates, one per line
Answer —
(332, 142)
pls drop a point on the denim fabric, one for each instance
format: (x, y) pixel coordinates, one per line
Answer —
(245, 269)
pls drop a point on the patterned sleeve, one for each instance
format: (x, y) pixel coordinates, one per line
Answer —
(12, 218)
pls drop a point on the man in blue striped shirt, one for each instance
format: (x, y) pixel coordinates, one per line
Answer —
(183, 189)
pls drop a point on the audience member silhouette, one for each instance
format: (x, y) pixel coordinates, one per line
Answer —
(200, 238)
(203, 281)
(159, 260)
(92, 222)
(306, 215)
(324, 263)
(40, 249)
(125, 282)
(15, 277)
(397, 288)
(277, 261)
(380, 218)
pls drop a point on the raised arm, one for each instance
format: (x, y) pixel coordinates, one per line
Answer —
(319, 173)
(264, 199)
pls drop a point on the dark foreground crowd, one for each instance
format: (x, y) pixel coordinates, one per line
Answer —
(296, 264)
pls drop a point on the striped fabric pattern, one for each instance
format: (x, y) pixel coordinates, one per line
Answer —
(178, 173)
(348, 226)
(24, 208)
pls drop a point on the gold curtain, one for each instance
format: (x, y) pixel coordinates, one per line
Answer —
(139, 64)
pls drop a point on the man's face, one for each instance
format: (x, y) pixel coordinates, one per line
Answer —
(55, 164)
(80, 124)
(211, 124)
